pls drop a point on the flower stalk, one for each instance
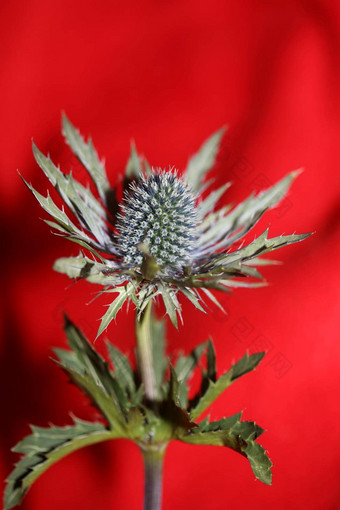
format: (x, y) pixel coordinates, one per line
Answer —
(144, 350)
(153, 457)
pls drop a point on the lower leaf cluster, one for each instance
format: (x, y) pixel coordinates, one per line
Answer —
(117, 392)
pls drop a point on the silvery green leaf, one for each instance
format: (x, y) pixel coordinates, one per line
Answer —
(171, 303)
(123, 294)
(80, 200)
(212, 298)
(82, 267)
(201, 162)
(258, 247)
(215, 389)
(133, 167)
(88, 157)
(209, 203)
(193, 297)
(43, 448)
(233, 226)
(122, 368)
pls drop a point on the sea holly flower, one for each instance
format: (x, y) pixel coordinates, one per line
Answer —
(166, 236)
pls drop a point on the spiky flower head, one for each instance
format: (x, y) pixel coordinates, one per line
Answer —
(167, 238)
(158, 212)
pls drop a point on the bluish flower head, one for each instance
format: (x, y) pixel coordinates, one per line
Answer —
(168, 238)
(160, 212)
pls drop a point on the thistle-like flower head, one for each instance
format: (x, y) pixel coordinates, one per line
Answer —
(158, 212)
(167, 237)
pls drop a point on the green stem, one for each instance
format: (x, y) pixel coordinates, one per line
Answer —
(144, 349)
(153, 457)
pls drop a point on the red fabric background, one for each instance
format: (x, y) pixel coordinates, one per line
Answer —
(168, 74)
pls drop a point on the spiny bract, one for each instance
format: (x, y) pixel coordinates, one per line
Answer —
(158, 210)
(168, 238)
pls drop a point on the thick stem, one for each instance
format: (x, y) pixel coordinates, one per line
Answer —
(144, 349)
(153, 466)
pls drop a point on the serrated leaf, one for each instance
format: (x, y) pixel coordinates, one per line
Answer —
(259, 461)
(201, 162)
(248, 430)
(185, 367)
(211, 361)
(239, 436)
(193, 297)
(133, 167)
(83, 267)
(259, 246)
(222, 424)
(93, 364)
(247, 364)
(215, 389)
(105, 403)
(171, 303)
(229, 228)
(88, 157)
(186, 364)
(174, 386)
(122, 368)
(80, 200)
(123, 294)
(209, 203)
(43, 448)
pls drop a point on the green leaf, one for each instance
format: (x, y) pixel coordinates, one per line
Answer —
(211, 361)
(92, 363)
(80, 200)
(215, 389)
(83, 267)
(88, 157)
(174, 386)
(209, 203)
(123, 294)
(259, 461)
(43, 448)
(246, 364)
(222, 424)
(194, 297)
(171, 303)
(226, 229)
(105, 403)
(185, 367)
(201, 162)
(259, 246)
(133, 167)
(239, 436)
(122, 368)
(186, 364)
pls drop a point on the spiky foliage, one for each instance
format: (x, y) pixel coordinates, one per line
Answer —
(117, 392)
(167, 238)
